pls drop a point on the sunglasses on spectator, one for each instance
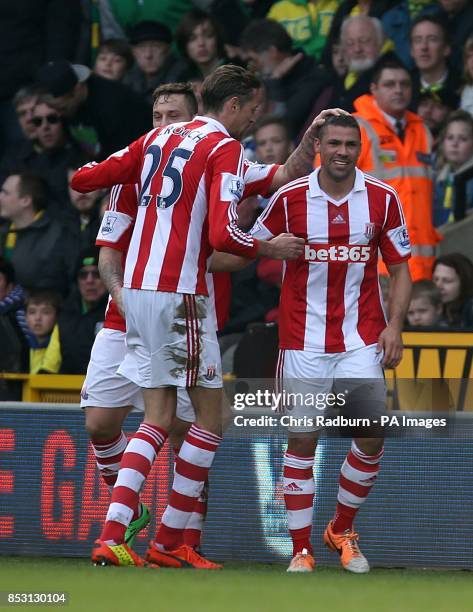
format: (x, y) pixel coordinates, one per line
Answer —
(51, 119)
(83, 274)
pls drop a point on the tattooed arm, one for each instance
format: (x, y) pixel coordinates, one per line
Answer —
(111, 272)
(301, 161)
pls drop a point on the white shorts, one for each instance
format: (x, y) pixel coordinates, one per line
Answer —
(316, 382)
(171, 340)
(103, 386)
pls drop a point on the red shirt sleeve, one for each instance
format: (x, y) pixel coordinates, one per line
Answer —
(118, 221)
(394, 240)
(123, 167)
(225, 189)
(258, 178)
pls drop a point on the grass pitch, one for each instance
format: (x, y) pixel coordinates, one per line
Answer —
(239, 587)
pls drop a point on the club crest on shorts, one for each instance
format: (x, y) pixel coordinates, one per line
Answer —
(211, 372)
(370, 231)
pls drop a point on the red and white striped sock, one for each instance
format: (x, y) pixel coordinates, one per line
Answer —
(357, 476)
(108, 455)
(192, 468)
(195, 526)
(135, 466)
(299, 489)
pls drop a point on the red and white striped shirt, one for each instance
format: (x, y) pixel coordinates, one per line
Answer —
(330, 298)
(190, 177)
(117, 226)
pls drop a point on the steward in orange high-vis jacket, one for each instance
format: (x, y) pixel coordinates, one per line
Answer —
(398, 152)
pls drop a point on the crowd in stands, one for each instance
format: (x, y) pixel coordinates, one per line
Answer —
(77, 84)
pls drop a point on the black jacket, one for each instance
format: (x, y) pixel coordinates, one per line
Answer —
(77, 331)
(45, 254)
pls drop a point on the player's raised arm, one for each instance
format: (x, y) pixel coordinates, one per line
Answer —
(121, 168)
(226, 188)
(300, 162)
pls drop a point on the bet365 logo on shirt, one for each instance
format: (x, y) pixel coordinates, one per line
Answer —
(314, 253)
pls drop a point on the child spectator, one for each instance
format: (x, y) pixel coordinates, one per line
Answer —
(273, 144)
(42, 335)
(425, 307)
(456, 149)
(467, 91)
(114, 59)
(453, 276)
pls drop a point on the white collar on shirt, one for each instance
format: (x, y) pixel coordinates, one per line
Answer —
(220, 127)
(316, 191)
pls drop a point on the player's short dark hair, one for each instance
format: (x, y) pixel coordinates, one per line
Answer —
(227, 82)
(435, 19)
(428, 289)
(261, 34)
(179, 89)
(119, 47)
(389, 61)
(35, 187)
(43, 296)
(7, 269)
(188, 24)
(347, 121)
(272, 120)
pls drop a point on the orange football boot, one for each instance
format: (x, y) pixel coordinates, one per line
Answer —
(184, 556)
(346, 544)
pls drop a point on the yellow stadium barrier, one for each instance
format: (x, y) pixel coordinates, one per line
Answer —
(436, 373)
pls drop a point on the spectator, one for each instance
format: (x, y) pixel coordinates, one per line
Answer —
(24, 102)
(430, 49)
(352, 8)
(41, 314)
(307, 23)
(83, 217)
(425, 308)
(396, 148)
(397, 23)
(82, 315)
(456, 150)
(453, 276)
(434, 107)
(293, 80)
(31, 32)
(13, 356)
(273, 144)
(467, 91)
(48, 156)
(458, 16)
(155, 62)
(200, 41)
(40, 248)
(362, 40)
(104, 116)
(114, 59)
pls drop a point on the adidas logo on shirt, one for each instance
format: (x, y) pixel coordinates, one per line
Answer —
(338, 219)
